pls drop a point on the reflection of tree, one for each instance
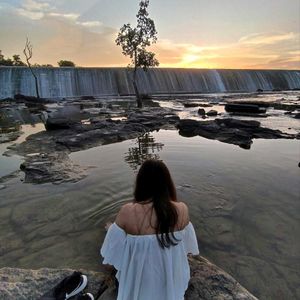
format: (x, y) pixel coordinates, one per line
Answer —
(146, 148)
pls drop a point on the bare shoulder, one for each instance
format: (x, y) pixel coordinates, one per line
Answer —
(181, 207)
(183, 214)
(123, 214)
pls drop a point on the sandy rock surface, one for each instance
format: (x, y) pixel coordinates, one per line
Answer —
(207, 282)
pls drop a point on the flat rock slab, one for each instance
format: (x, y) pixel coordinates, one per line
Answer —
(208, 282)
(231, 131)
(52, 164)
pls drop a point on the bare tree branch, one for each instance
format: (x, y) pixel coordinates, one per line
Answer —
(28, 55)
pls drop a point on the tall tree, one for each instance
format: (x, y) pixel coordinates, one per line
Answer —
(135, 40)
(28, 54)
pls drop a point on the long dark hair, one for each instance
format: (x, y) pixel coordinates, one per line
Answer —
(154, 183)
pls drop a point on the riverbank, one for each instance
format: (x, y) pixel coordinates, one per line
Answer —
(208, 282)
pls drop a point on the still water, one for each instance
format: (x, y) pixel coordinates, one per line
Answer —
(244, 205)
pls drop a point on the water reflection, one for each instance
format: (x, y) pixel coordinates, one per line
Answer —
(146, 148)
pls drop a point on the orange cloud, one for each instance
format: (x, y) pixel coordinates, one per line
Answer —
(252, 51)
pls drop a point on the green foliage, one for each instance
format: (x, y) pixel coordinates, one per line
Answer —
(16, 61)
(66, 63)
(134, 40)
(42, 66)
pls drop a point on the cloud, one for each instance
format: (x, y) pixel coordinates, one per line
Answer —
(56, 38)
(266, 38)
(33, 15)
(32, 5)
(273, 50)
(69, 16)
(90, 23)
(34, 10)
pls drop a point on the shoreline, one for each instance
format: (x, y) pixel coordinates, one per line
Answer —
(207, 282)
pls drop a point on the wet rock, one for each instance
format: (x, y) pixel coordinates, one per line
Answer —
(25, 98)
(190, 104)
(52, 163)
(278, 105)
(55, 167)
(150, 103)
(245, 108)
(231, 131)
(259, 90)
(201, 112)
(205, 105)
(236, 123)
(207, 282)
(62, 118)
(145, 97)
(297, 116)
(284, 106)
(9, 136)
(87, 97)
(32, 99)
(212, 112)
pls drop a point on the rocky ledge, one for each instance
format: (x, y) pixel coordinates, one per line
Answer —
(231, 131)
(46, 153)
(207, 282)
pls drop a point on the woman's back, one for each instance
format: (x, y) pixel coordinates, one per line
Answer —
(145, 270)
(141, 219)
(150, 239)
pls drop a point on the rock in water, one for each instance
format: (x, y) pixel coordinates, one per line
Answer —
(212, 112)
(231, 131)
(201, 112)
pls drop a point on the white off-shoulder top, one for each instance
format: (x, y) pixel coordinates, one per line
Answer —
(146, 271)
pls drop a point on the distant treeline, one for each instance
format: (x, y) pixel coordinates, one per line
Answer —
(17, 62)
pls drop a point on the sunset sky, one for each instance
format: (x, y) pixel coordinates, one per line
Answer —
(252, 34)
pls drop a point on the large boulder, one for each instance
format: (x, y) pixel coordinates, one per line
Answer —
(208, 282)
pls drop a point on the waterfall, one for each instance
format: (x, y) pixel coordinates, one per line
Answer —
(68, 82)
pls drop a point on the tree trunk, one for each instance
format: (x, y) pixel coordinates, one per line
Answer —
(36, 82)
(36, 87)
(136, 90)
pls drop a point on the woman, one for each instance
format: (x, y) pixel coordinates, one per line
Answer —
(149, 241)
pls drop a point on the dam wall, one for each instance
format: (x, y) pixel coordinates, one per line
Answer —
(67, 82)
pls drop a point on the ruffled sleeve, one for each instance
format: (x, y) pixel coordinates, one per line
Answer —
(190, 240)
(113, 246)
